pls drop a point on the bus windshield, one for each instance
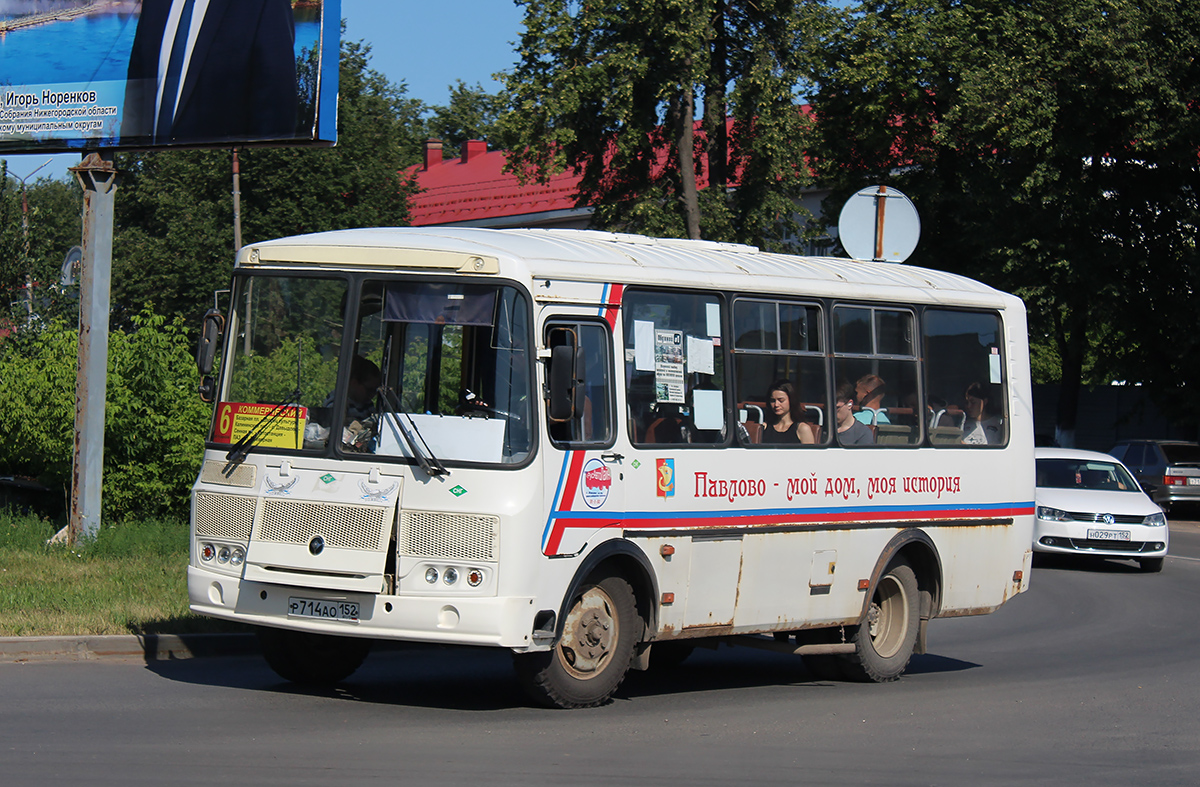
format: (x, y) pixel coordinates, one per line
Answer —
(436, 370)
(283, 361)
(452, 358)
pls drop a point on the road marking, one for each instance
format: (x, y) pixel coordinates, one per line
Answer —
(1181, 557)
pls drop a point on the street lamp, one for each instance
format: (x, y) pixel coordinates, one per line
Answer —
(25, 232)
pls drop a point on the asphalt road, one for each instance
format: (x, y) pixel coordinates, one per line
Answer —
(1089, 678)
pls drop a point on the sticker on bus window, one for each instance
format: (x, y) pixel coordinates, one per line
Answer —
(279, 426)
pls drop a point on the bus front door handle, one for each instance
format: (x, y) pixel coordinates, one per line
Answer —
(613, 457)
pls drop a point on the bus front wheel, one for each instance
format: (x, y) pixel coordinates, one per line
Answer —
(885, 639)
(312, 659)
(590, 660)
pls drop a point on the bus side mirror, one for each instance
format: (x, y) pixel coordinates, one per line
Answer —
(565, 373)
(210, 337)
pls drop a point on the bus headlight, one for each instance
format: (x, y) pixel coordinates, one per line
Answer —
(431, 575)
(451, 576)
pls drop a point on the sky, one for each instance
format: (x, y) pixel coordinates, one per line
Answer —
(426, 46)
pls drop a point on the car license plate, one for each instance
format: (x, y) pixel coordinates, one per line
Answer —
(1194, 481)
(1108, 535)
(325, 610)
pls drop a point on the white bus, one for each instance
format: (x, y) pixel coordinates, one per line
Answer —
(599, 450)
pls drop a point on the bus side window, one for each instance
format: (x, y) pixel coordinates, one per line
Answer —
(591, 423)
(965, 388)
(675, 367)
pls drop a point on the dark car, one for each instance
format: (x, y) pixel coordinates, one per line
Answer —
(1168, 469)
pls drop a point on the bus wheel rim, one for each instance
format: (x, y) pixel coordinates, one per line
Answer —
(591, 632)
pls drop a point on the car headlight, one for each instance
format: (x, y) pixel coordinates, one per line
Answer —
(1052, 514)
(1156, 520)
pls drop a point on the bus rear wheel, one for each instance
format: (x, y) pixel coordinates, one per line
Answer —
(885, 639)
(590, 660)
(312, 659)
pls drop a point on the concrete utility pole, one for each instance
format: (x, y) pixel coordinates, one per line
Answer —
(98, 177)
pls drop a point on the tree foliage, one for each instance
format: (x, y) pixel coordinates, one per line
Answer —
(1051, 150)
(153, 425)
(613, 90)
(471, 113)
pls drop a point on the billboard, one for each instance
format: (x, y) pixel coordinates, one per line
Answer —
(81, 75)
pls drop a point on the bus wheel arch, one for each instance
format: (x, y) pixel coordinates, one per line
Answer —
(904, 594)
(602, 623)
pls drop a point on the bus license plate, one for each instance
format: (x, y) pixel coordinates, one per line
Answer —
(1108, 535)
(325, 610)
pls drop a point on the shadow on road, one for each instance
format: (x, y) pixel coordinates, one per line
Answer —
(482, 679)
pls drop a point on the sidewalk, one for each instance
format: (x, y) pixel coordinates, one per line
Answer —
(150, 647)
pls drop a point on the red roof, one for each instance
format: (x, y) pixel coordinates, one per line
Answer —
(475, 188)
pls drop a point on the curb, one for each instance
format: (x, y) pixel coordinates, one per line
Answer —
(150, 647)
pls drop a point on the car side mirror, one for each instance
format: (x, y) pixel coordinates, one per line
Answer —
(210, 338)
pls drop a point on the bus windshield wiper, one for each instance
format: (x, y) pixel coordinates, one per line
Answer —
(422, 452)
(252, 438)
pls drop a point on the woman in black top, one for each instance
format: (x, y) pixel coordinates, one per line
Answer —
(787, 424)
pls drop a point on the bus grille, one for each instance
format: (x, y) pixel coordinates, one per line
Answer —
(222, 473)
(346, 526)
(223, 516)
(454, 536)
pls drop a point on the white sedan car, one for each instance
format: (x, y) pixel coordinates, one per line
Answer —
(1089, 504)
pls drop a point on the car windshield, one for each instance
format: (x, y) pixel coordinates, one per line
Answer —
(1182, 453)
(1084, 474)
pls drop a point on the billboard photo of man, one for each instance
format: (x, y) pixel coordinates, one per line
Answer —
(202, 71)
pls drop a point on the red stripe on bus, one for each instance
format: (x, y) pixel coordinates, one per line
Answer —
(613, 305)
(566, 500)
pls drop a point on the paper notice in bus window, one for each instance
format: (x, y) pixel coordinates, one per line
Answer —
(712, 313)
(668, 366)
(280, 427)
(699, 355)
(643, 345)
(994, 366)
(708, 409)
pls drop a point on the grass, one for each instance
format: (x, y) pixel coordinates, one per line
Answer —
(131, 579)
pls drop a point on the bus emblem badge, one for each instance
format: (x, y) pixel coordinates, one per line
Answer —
(666, 477)
(597, 480)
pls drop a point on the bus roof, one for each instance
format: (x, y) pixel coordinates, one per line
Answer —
(590, 255)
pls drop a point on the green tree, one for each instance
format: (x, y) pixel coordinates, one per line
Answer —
(613, 90)
(154, 422)
(471, 113)
(1051, 150)
(38, 249)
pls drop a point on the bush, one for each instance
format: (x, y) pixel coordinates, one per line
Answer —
(154, 422)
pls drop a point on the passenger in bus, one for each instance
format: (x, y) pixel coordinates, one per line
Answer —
(870, 390)
(789, 420)
(850, 431)
(982, 425)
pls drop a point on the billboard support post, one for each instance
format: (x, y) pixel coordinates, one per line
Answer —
(98, 177)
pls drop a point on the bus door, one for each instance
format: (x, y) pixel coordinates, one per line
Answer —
(584, 471)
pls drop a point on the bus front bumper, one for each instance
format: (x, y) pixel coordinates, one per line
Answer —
(499, 621)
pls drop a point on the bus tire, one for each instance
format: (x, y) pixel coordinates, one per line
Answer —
(885, 639)
(312, 659)
(590, 659)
